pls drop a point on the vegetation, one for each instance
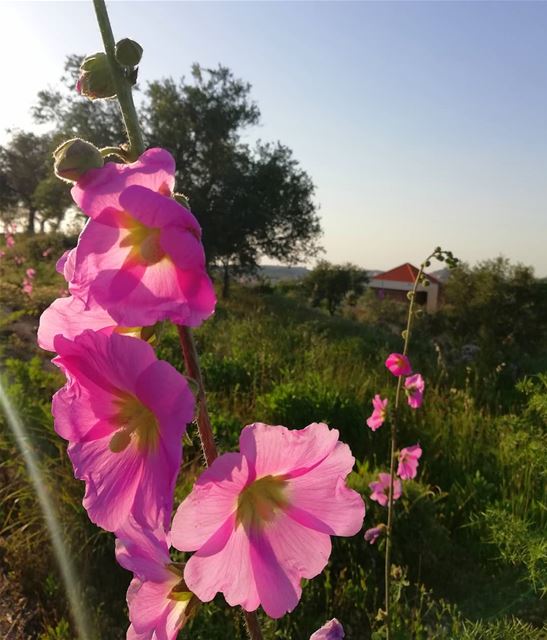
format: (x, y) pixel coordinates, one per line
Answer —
(470, 549)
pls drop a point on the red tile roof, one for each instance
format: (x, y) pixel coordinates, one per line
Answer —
(403, 273)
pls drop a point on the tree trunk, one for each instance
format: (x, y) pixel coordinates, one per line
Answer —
(226, 281)
(30, 221)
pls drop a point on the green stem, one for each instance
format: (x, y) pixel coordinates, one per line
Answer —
(123, 87)
(393, 449)
(191, 358)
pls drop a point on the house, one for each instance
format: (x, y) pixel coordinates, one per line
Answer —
(397, 282)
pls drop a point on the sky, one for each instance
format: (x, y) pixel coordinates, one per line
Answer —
(420, 123)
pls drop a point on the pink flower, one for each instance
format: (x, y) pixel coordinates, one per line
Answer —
(47, 251)
(398, 364)
(380, 489)
(31, 273)
(371, 535)
(27, 287)
(414, 387)
(261, 520)
(159, 601)
(140, 256)
(331, 630)
(2, 254)
(408, 462)
(18, 260)
(124, 413)
(378, 416)
(10, 240)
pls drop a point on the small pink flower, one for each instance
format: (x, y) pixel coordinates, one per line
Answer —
(380, 489)
(331, 630)
(27, 287)
(378, 416)
(371, 535)
(2, 254)
(19, 260)
(398, 364)
(140, 256)
(124, 413)
(10, 240)
(414, 387)
(47, 252)
(31, 273)
(259, 521)
(408, 462)
(158, 600)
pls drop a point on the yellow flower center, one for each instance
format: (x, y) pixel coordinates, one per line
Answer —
(136, 422)
(144, 242)
(261, 501)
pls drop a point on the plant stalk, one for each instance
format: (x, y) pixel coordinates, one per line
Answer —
(121, 83)
(191, 358)
(393, 449)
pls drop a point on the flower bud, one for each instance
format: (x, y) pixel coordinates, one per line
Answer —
(128, 52)
(95, 79)
(74, 157)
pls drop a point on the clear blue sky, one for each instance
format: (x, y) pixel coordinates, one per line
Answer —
(420, 123)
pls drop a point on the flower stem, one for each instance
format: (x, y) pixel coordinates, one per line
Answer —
(393, 449)
(191, 358)
(121, 83)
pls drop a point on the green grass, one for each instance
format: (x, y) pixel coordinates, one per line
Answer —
(469, 537)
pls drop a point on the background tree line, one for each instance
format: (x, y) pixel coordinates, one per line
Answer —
(252, 200)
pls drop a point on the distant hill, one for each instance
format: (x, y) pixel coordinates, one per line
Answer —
(278, 272)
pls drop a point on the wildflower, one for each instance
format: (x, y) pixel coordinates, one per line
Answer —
(31, 273)
(398, 364)
(27, 287)
(19, 260)
(331, 630)
(408, 462)
(378, 416)
(10, 240)
(261, 520)
(140, 256)
(124, 413)
(380, 489)
(47, 252)
(414, 387)
(371, 535)
(158, 600)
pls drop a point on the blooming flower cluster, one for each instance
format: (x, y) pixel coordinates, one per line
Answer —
(258, 521)
(399, 365)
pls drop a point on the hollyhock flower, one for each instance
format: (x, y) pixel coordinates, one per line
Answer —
(408, 462)
(378, 416)
(380, 489)
(140, 256)
(69, 317)
(124, 414)
(158, 600)
(10, 240)
(261, 520)
(31, 273)
(398, 364)
(414, 387)
(371, 535)
(331, 630)
(27, 287)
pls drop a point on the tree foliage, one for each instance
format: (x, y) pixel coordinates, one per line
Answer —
(27, 187)
(251, 201)
(330, 284)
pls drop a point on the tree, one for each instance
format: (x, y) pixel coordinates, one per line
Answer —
(25, 170)
(251, 202)
(329, 284)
